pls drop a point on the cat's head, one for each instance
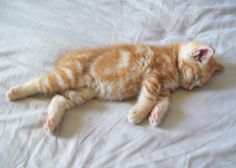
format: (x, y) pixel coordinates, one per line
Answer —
(196, 64)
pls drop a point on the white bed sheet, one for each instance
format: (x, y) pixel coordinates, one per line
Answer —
(200, 128)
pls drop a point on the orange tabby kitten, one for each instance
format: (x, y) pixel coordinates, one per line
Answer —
(120, 72)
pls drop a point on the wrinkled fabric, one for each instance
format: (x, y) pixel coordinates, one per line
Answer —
(200, 127)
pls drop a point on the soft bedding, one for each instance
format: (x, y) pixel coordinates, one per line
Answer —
(200, 128)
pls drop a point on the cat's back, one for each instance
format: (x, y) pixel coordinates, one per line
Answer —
(116, 71)
(108, 54)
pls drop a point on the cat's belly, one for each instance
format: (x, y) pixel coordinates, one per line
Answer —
(115, 77)
(117, 90)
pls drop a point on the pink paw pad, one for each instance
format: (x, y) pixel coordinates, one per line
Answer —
(154, 118)
(49, 126)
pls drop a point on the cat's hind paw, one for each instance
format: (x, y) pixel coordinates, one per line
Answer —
(49, 126)
(13, 93)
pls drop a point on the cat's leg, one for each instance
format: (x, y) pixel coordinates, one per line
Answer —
(59, 79)
(29, 88)
(61, 103)
(158, 112)
(56, 109)
(146, 101)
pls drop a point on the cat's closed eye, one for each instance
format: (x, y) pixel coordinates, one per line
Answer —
(200, 77)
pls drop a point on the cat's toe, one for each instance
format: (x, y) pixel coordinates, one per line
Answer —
(13, 93)
(135, 116)
(154, 119)
(153, 122)
(49, 126)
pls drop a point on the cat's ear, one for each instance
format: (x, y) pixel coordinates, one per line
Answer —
(203, 54)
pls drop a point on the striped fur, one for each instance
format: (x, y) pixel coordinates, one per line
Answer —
(120, 72)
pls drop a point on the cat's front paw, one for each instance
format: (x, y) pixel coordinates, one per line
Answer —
(154, 119)
(156, 115)
(135, 115)
(13, 93)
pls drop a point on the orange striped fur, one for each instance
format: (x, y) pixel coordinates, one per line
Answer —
(120, 72)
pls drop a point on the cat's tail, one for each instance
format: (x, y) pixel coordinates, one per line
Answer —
(58, 80)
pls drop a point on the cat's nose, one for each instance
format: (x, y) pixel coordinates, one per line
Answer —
(188, 86)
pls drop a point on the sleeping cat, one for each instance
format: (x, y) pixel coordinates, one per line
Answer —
(120, 72)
